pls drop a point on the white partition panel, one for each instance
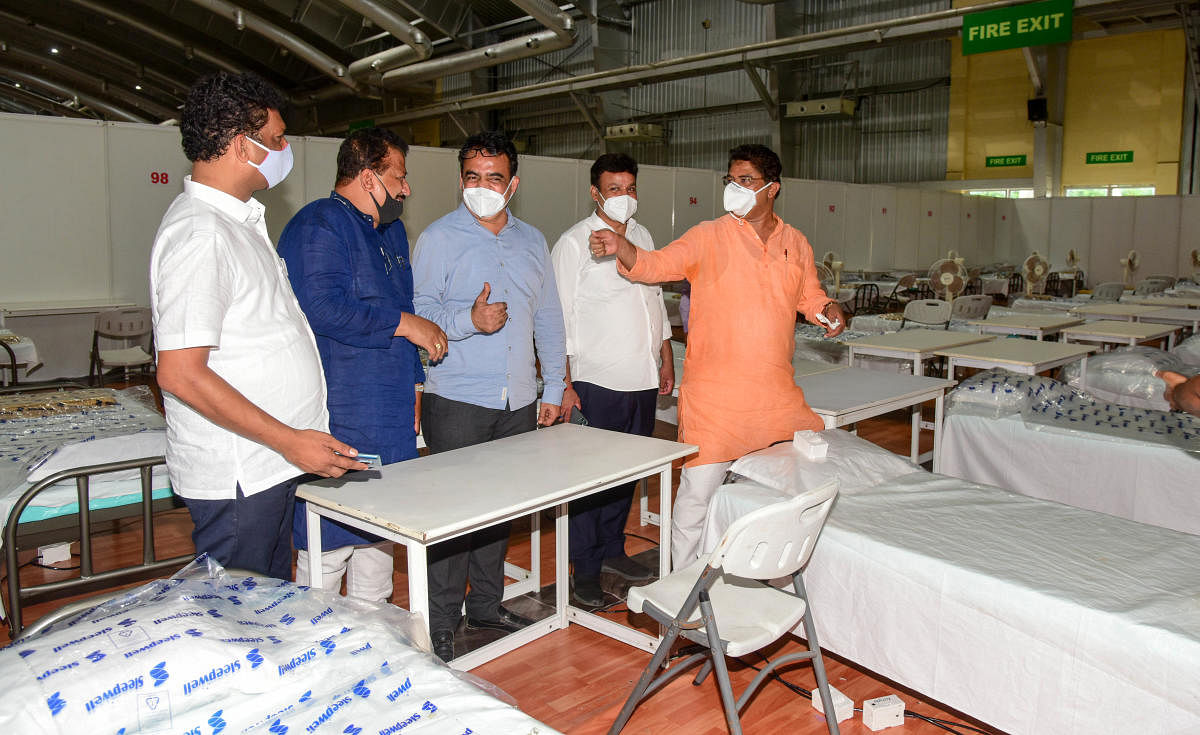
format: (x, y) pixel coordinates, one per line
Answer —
(948, 235)
(697, 197)
(799, 207)
(1112, 238)
(908, 229)
(1004, 248)
(1070, 229)
(320, 166)
(55, 229)
(656, 194)
(883, 228)
(433, 176)
(986, 230)
(856, 237)
(929, 245)
(1156, 235)
(829, 231)
(1189, 235)
(145, 170)
(1031, 230)
(547, 193)
(968, 231)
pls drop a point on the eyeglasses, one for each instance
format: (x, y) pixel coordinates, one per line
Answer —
(746, 181)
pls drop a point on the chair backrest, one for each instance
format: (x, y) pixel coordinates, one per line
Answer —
(124, 323)
(1149, 286)
(1171, 281)
(927, 311)
(971, 307)
(866, 297)
(775, 541)
(1110, 291)
(1016, 283)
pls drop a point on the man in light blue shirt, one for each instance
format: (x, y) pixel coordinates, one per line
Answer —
(484, 277)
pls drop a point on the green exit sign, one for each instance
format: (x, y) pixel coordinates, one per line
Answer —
(1017, 26)
(1110, 157)
(993, 161)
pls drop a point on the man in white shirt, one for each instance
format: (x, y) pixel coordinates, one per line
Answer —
(237, 362)
(619, 350)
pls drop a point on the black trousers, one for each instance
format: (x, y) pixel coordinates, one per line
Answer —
(251, 532)
(477, 556)
(597, 523)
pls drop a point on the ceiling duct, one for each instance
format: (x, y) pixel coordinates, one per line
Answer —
(324, 63)
(111, 110)
(559, 34)
(416, 46)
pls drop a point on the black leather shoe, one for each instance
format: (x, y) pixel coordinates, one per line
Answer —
(443, 644)
(623, 566)
(508, 622)
(587, 591)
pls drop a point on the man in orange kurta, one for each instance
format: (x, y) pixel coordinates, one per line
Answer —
(750, 273)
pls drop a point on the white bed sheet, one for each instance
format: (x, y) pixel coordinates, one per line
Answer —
(1149, 483)
(1035, 617)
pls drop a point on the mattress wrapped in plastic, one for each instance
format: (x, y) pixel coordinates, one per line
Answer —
(1048, 405)
(1188, 351)
(1126, 376)
(812, 344)
(208, 652)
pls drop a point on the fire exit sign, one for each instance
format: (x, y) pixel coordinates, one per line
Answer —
(993, 161)
(1017, 26)
(1110, 157)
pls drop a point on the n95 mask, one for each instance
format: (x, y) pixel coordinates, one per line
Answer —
(739, 200)
(619, 208)
(276, 166)
(484, 202)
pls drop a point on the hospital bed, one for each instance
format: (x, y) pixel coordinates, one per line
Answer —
(1032, 616)
(1040, 438)
(210, 651)
(60, 451)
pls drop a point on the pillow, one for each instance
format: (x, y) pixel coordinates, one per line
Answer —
(101, 451)
(855, 463)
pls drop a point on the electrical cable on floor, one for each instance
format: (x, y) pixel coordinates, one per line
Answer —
(34, 561)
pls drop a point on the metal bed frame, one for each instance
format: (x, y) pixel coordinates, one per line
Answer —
(88, 579)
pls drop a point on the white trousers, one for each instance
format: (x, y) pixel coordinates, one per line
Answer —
(368, 570)
(697, 485)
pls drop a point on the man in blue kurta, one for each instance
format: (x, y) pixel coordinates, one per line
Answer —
(347, 258)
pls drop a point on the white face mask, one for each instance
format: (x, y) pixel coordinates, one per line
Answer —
(619, 208)
(739, 200)
(484, 202)
(276, 166)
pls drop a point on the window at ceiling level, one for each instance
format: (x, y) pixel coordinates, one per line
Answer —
(1105, 191)
(1002, 193)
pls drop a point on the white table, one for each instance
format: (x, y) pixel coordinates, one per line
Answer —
(1123, 310)
(1122, 333)
(1190, 302)
(1026, 325)
(423, 501)
(1018, 355)
(917, 345)
(1173, 315)
(848, 395)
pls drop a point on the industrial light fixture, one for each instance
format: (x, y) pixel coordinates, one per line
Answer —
(54, 49)
(138, 87)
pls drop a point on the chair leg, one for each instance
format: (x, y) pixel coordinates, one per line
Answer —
(703, 673)
(717, 657)
(818, 661)
(639, 689)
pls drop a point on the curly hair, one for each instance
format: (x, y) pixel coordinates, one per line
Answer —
(366, 148)
(489, 143)
(613, 163)
(760, 157)
(221, 106)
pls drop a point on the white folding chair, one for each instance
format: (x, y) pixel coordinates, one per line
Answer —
(1110, 291)
(927, 313)
(971, 307)
(724, 604)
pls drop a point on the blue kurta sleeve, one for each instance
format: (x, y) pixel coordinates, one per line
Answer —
(320, 254)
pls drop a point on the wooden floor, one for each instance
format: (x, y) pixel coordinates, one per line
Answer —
(576, 680)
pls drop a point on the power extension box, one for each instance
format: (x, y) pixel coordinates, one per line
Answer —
(883, 712)
(843, 706)
(55, 553)
(811, 444)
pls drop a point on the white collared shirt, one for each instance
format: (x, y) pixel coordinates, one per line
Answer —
(216, 281)
(615, 327)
